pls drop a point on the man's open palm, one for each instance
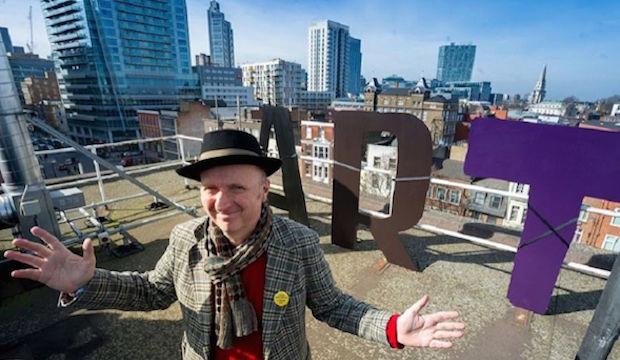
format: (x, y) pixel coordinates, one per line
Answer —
(53, 265)
(432, 330)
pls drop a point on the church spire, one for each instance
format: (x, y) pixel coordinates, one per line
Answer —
(538, 95)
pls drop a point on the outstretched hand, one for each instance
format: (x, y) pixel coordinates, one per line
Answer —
(53, 265)
(432, 330)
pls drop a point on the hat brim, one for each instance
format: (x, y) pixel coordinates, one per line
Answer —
(193, 171)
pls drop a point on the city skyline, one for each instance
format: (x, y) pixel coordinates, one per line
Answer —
(581, 54)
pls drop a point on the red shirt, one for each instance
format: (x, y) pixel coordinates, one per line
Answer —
(251, 347)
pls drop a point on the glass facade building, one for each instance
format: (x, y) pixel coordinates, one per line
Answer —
(355, 66)
(221, 43)
(455, 62)
(114, 57)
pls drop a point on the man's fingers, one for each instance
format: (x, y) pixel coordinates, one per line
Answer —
(445, 334)
(47, 237)
(442, 316)
(27, 259)
(440, 344)
(37, 248)
(419, 305)
(89, 251)
(32, 274)
(448, 325)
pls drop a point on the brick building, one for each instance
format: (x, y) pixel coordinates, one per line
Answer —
(597, 230)
(189, 119)
(317, 142)
(439, 114)
(36, 89)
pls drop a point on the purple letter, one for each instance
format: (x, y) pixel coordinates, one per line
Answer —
(562, 165)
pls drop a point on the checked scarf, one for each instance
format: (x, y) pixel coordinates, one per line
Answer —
(234, 314)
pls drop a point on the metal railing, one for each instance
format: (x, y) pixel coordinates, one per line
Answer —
(182, 159)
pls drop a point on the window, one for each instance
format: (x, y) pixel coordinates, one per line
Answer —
(583, 216)
(495, 202)
(523, 218)
(441, 194)
(376, 162)
(321, 152)
(429, 192)
(479, 198)
(612, 243)
(578, 233)
(375, 181)
(514, 213)
(519, 189)
(615, 221)
(392, 164)
(455, 196)
(322, 133)
(308, 169)
(308, 132)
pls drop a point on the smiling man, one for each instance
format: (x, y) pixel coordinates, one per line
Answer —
(243, 276)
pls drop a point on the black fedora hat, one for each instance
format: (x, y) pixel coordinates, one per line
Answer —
(229, 147)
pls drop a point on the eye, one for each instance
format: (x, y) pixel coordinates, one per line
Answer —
(208, 188)
(237, 187)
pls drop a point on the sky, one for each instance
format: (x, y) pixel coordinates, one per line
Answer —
(578, 40)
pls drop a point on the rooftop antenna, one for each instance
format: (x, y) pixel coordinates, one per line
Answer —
(31, 44)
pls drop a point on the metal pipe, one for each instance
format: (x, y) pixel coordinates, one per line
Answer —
(99, 180)
(42, 125)
(604, 328)
(182, 151)
(120, 228)
(18, 163)
(584, 269)
(111, 176)
(8, 215)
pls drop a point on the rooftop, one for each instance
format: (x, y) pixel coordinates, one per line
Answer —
(457, 274)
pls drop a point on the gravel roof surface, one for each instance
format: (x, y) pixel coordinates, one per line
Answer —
(457, 274)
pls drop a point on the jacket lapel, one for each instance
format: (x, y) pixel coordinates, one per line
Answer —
(280, 274)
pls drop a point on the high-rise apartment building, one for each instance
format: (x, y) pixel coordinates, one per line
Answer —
(276, 82)
(221, 43)
(115, 57)
(334, 62)
(455, 62)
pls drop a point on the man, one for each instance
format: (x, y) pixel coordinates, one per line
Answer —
(242, 276)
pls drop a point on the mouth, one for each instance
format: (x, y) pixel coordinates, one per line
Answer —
(226, 217)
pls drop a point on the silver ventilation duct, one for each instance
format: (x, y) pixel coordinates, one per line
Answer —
(18, 163)
(25, 202)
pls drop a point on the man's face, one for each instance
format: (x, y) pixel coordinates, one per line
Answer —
(232, 196)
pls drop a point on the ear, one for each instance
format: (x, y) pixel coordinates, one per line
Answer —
(265, 189)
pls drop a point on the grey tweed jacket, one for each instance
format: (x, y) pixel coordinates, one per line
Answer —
(295, 265)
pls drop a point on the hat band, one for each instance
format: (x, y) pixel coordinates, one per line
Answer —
(225, 152)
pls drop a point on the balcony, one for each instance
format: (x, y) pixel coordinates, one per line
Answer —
(64, 9)
(64, 19)
(54, 4)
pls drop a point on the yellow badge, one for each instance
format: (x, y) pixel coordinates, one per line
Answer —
(281, 298)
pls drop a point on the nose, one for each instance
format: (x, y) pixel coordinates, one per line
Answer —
(223, 202)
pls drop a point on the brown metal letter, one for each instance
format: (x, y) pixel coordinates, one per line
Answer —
(414, 161)
(280, 119)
